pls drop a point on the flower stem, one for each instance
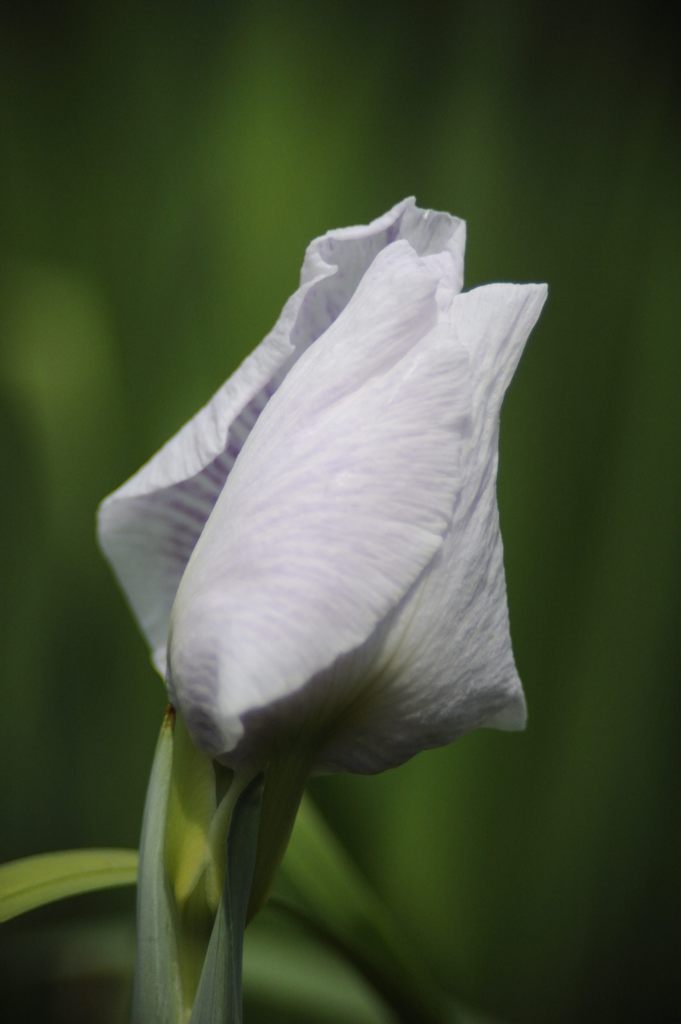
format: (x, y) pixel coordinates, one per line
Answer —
(285, 779)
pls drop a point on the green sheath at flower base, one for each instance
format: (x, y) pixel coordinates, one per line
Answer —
(198, 850)
(285, 780)
(191, 806)
(174, 918)
(219, 994)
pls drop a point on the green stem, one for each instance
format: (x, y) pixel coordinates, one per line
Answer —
(219, 993)
(285, 780)
(218, 830)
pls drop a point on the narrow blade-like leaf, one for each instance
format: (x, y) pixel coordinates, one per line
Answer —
(157, 994)
(320, 886)
(34, 881)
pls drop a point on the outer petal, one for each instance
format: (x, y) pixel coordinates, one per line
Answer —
(442, 662)
(148, 527)
(340, 498)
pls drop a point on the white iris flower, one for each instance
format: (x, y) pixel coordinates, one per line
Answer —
(315, 558)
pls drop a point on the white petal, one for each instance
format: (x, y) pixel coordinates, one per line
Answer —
(494, 322)
(443, 658)
(340, 498)
(149, 526)
(353, 249)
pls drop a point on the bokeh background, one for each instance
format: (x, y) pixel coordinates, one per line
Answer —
(163, 168)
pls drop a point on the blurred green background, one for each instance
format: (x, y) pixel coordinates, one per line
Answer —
(163, 169)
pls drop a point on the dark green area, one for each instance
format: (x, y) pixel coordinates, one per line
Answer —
(163, 168)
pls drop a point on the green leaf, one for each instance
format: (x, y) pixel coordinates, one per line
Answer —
(34, 881)
(290, 975)
(320, 886)
(219, 995)
(157, 992)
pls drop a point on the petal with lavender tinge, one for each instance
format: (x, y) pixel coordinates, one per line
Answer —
(341, 497)
(442, 660)
(352, 249)
(149, 527)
